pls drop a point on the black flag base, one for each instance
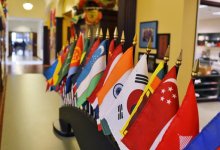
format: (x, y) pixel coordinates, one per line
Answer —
(62, 128)
(85, 129)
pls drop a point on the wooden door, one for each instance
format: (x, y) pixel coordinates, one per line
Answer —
(34, 44)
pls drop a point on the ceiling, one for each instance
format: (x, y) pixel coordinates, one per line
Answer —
(207, 12)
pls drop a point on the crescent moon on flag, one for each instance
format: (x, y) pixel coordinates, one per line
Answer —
(102, 49)
(170, 80)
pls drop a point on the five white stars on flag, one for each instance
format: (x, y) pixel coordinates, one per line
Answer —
(168, 101)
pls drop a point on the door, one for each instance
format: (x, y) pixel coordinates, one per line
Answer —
(34, 44)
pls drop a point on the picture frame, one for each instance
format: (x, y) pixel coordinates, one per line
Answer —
(151, 62)
(163, 42)
(147, 30)
(140, 54)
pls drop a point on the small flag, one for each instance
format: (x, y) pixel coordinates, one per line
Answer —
(154, 81)
(208, 138)
(114, 83)
(91, 74)
(160, 108)
(74, 62)
(183, 127)
(111, 48)
(127, 99)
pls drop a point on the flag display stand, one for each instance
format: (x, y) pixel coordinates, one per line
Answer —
(85, 129)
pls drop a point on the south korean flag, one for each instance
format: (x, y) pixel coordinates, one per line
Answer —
(132, 89)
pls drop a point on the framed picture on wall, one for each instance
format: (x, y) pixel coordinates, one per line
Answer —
(148, 30)
(151, 62)
(163, 42)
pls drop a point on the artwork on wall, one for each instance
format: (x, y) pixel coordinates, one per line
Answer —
(148, 30)
(163, 42)
(151, 62)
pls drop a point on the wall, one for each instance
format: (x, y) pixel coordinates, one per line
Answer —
(173, 17)
(209, 26)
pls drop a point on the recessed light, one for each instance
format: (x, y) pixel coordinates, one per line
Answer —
(27, 6)
(202, 6)
(216, 13)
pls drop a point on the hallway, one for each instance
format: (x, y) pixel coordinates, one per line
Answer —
(29, 111)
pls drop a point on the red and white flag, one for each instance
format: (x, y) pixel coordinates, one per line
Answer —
(162, 105)
(183, 127)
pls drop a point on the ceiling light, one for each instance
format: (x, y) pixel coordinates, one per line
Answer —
(27, 6)
(216, 13)
(203, 6)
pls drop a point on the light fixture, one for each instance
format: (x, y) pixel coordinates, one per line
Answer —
(27, 6)
(216, 13)
(202, 6)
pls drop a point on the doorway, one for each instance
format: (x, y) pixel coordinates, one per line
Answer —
(22, 44)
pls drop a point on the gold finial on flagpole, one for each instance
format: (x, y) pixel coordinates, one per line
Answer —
(115, 33)
(195, 68)
(179, 59)
(107, 34)
(123, 37)
(149, 46)
(97, 33)
(167, 54)
(89, 34)
(72, 39)
(134, 40)
(75, 37)
(101, 34)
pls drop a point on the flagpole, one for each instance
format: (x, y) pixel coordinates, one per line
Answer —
(116, 36)
(149, 46)
(123, 40)
(134, 45)
(179, 61)
(195, 70)
(101, 34)
(166, 59)
(107, 37)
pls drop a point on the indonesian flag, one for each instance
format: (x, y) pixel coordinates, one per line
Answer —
(127, 99)
(183, 127)
(160, 108)
(114, 83)
(91, 74)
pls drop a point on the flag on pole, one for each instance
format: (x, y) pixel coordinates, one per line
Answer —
(111, 48)
(114, 83)
(65, 67)
(74, 63)
(127, 99)
(111, 63)
(91, 74)
(91, 49)
(60, 58)
(208, 138)
(85, 50)
(183, 127)
(160, 108)
(153, 83)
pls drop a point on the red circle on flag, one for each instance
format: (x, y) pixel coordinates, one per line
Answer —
(133, 99)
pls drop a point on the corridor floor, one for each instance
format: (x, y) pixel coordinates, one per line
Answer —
(29, 114)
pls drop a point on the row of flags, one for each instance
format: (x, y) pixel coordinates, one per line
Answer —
(139, 112)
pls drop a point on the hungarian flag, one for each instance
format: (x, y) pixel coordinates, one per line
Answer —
(160, 108)
(111, 63)
(183, 127)
(114, 83)
(91, 74)
(73, 63)
(127, 99)
(208, 138)
(153, 83)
